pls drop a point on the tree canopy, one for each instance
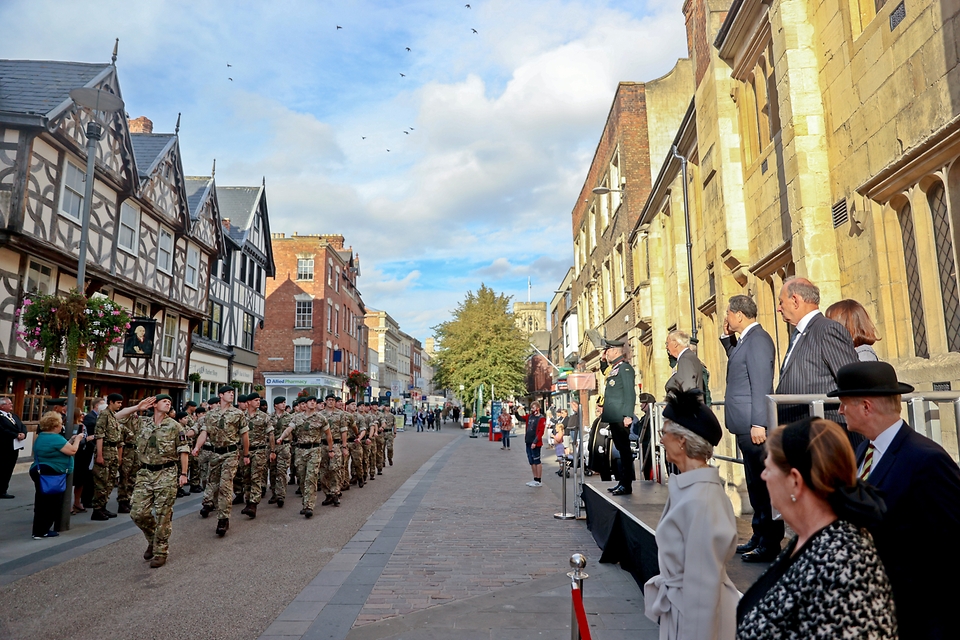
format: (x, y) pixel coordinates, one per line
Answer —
(481, 344)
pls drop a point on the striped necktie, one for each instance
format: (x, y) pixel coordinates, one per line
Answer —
(793, 340)
(867, 462)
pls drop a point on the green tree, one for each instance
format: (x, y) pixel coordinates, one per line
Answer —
(481, 344)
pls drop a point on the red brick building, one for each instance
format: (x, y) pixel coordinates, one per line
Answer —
(313, 334)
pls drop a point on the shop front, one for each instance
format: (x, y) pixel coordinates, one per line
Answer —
(206, 373)
(290, 385)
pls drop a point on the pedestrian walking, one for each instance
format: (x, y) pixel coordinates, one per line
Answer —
(533, 439)
(505, 420)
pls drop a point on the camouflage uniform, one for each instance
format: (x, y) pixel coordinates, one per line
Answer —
(278, 468)
(356, 448)
(379, 440)
(130, 463)
(310, 431)
(370, 449)
(389, 433)
(194, 472)
(255, 474)
(338, 425)
(158, 448)
(109, 430)
(224, 429)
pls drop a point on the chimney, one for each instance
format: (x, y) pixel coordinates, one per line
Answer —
(226, 223)
(143, 124)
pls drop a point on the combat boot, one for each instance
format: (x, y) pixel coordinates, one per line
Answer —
(360, 483)
(272, 500)
(195, 488)
(205, 511)
(379, 472)
(222, 525)
(308, 513)
(390, 461)
(110, 514)
(345, 487)
(329, 500)
(336, 501)
(252, 510)
(238, 499)
(280, 502)
(149, 552)
(99, 514)
(246, 510)
(123, 507)
(158, 561)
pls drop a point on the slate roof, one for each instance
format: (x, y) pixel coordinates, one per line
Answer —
(147, 147)
(37, 87)
(238, 204)
(196, 188)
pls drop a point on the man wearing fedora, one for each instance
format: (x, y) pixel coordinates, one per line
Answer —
(920, 484)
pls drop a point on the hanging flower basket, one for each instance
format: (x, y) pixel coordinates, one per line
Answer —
(72, 323)
(356, 381)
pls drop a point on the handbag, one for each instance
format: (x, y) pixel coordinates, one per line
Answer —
(53, 484)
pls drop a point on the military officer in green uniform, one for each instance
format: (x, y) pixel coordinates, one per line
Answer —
(163, 449)
(619, 400)
(280, 463)
(358, 431)
(261, 452)
(109, 435)
(130, 462)
(226, 429)
(314, 442)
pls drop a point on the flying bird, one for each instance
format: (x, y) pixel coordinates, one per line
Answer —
(230, 79)
(407, 132)
(408, 48)
(388, 150)
(467, 6)
(363, 137)
(339, 27)
(229, 65)
(412, 129)
(403, 75)
(474, 30)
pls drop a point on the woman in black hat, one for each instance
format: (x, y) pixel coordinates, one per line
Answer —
(829, 582)
(693, 597)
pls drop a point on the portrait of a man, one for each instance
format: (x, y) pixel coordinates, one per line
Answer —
(139, 340)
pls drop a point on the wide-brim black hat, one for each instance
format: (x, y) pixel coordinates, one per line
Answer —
(688, 410)
(868, 379)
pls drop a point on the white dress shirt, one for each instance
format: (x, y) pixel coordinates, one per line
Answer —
(881, 444)
(801, 327)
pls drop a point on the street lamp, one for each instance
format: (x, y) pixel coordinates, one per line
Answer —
(686, 221)
(602, 191)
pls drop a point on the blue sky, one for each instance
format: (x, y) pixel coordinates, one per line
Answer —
(500, 125)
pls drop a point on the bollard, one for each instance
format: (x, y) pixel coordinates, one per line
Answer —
(578, 618)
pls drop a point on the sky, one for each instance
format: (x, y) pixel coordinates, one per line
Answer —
(490, 132)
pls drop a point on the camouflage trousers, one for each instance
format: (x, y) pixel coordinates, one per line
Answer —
(308, 471)
(255, 476)
(152, 507)
(129, 466)
(388, 445)
(203, 461)
(379, 441)
(330, 480)
(219, 491)
(278, 471)
(193, 471)
(105, 477)
(344, 470)
(370, 459)
(356, 461)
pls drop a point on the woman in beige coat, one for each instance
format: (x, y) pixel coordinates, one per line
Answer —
(693, 598)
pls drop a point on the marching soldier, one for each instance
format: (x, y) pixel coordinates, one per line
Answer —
(206, 451)
(225, 427)
(242, 468)
(261, 453)
(109, 435)
(163, 450)
(130, 462)
(346, 422)
(369, 444)
(390, 432)
(314, 443)
(379, 439)
(280, 462)
(358, 431)
(191, 410)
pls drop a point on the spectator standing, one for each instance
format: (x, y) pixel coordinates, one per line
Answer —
(12, 435)
(856, 321)
(750, 361)
(83, 461)
(619, 403)
(430, 417)
(52, 456)
(920, 484)
(505, 420)
(688, 371)
(818, 348)
(533, 439)
(456, 414)
(829, 582)
(693, 598)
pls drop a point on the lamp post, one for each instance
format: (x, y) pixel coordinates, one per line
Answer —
(686, 221)
(98, 101)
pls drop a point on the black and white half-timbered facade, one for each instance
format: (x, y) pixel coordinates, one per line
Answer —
(223, 345)
(145, 249)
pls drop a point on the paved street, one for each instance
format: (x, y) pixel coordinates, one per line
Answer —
(448, 539)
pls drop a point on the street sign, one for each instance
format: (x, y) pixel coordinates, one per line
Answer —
(389, 393)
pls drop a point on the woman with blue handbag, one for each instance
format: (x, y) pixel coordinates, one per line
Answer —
(52, 461)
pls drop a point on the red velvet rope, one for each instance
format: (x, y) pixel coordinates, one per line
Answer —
(581, 614)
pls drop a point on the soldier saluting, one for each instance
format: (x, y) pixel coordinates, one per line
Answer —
(619, 400)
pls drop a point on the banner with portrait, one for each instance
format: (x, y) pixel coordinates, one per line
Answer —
(140, 338)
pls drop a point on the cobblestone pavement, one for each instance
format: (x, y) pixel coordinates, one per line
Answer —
(478, 529)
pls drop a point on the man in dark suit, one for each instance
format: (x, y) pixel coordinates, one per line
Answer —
(749, 380)
(619, 403)
(818, 348)
(12, 432)
(920, 484)
(688, 372)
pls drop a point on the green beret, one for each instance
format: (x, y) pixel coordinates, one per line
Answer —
(163, 396)
(242, 398)
(330, 396)
(350, 401)
(225, 388)
(253, 395)
(190, 403)
(57, 402)
(309, 398)
(213, 400)
(278, 400)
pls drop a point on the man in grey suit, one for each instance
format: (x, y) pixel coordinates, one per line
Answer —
(818, 348)
(688, 372)
(749, 379)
